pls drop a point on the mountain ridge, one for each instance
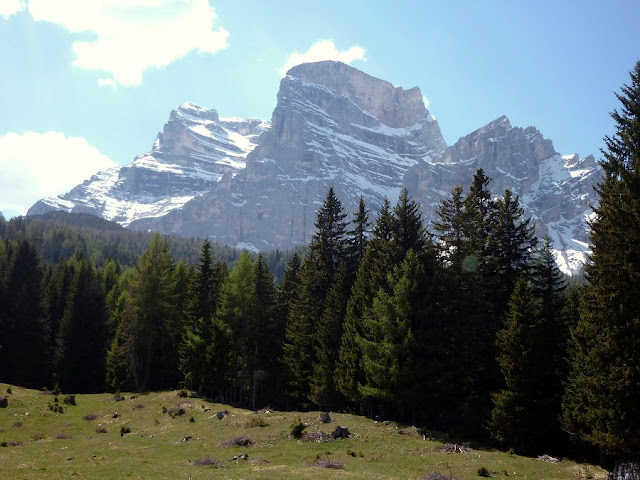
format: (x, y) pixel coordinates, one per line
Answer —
(257, 185)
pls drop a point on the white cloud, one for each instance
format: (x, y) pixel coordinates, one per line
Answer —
(324, 50)
(127, 37)
(11, 7)
(37, 165)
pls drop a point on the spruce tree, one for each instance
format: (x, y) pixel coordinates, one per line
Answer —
(79, 355)
(603, 392)
(522, 417)
(140, 349)
(24, 332)
(370, 276)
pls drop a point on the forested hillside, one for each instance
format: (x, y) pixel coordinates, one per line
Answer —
(470, 329)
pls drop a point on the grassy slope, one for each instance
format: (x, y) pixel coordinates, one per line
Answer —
(156, 449)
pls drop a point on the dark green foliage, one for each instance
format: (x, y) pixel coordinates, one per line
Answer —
(140, 354)
(297, 429)
(79, 351)
(522, 417)
(24, 333)
(603, 392)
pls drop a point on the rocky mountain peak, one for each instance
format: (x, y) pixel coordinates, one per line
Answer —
(393, 106)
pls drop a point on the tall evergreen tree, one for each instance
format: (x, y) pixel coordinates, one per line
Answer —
(268, 337)
(138, 357)
(79, 355)
(522, 415)
(369, 278)
(328, 248)
(511, 245)
(603, 392)
(24, 333)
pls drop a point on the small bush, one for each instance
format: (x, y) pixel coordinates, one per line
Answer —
(63, 436)
(192, 420)
(124, 430)
(138, 407)
(208, 462)
(239, 442)
(90, 417)
(176, 411)
(297, 428)
(37, 436)
(483, 472)
(101, 430)
(70, 400)
(183, 394)
(255, 421)
(9, 391)
(56, 407)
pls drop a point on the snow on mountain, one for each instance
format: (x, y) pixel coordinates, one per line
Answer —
(191, 154)
(257, 185)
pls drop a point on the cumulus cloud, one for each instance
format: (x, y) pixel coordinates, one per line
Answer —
(11, 7)
(126, 37)
(324, 50)
(37, 165)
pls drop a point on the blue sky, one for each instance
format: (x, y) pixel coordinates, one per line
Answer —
(86, 84)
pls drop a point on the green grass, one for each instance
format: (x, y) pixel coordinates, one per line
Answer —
(42, 444)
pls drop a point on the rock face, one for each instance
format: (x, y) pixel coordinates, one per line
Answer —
(257, 185)
(556, 191)
(333, 126)
(192, 153)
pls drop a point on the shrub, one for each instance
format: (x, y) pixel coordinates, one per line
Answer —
(63, 436)
(101, 430)
(483, 472)
(192, 420)
(297, 428)
(70, 400)
(138, 407)
(90, 417)
(124, 430)
(9, 391)
(37, 436)
(183, 394)
(255, 421)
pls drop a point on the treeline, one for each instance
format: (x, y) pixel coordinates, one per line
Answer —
(464, 330)
(58, 235)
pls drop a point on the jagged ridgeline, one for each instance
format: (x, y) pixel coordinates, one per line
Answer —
(257, 185)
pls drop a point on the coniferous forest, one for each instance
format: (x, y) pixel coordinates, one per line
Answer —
(468, 327)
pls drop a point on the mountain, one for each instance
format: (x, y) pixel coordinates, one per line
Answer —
(556, 191)
(193, 152)
(257, 185)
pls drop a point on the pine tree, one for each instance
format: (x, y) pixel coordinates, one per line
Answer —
(522, 415)
(511, 245)
(323, 391)
(358, 238)
(238, 313)
(328, 248)
(407, 229)
(268, 337)
(79, 355)
(603, 391)
(24, 332)
(371, 275)
(388, 342)
(139, 353)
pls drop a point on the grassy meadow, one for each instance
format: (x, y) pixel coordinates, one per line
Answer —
(174, 437)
